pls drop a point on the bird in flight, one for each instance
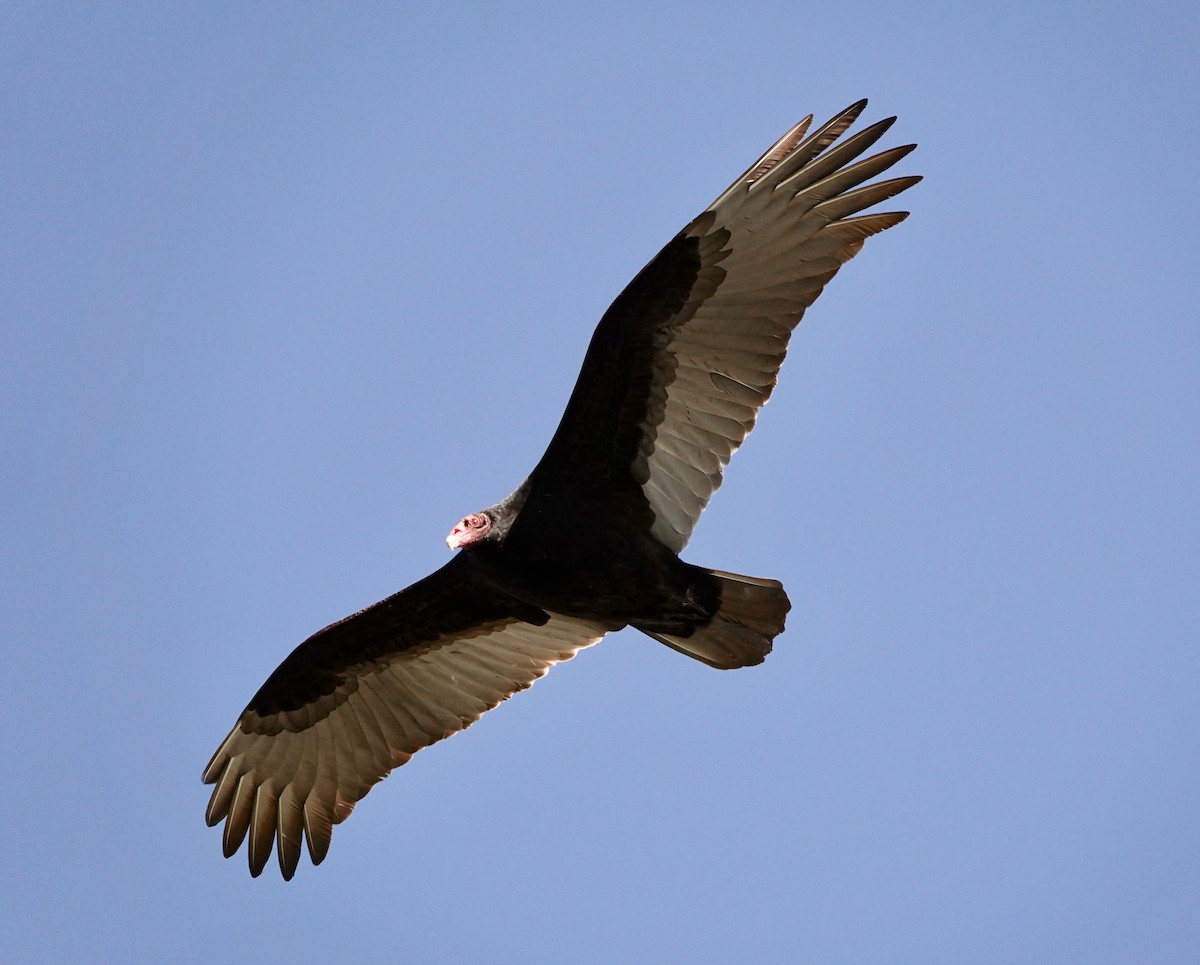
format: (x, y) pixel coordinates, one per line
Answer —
(671, 385)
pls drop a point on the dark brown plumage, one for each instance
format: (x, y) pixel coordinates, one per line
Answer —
(670, 387)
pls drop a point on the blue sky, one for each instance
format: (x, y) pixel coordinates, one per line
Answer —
(288, 289)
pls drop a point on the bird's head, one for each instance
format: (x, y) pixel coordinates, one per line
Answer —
(491, 524)
(470, 529)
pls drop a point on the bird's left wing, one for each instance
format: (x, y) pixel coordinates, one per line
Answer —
(684, 358)
(363, 695)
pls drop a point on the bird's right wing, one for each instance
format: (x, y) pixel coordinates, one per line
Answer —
(363, 695)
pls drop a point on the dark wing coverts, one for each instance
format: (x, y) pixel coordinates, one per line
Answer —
(686, 355)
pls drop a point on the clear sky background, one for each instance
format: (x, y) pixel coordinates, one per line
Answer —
(289, 288)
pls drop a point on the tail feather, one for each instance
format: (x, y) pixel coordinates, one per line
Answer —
(751, 615)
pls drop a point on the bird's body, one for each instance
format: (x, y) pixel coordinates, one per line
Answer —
(617, 574)
(670, 387)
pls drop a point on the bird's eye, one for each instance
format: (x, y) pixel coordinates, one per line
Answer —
(475, 521)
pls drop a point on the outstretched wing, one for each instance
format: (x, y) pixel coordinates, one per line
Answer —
(363, 695)
(683, 359)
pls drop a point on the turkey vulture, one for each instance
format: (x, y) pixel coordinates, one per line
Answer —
(671, 384)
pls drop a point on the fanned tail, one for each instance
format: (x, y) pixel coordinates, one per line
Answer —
(740, 633)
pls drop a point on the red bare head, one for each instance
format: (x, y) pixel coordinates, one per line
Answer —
(468, 530)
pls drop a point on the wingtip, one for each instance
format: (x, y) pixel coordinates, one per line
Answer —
(258, 855)
(853, 111)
